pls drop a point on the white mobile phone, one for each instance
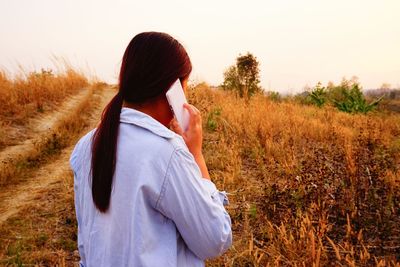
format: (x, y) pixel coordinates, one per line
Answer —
(176, 98)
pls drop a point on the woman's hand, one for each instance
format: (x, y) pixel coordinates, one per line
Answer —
(193, 136)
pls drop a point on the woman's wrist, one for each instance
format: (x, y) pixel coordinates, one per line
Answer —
(199, 158)
(197, 154)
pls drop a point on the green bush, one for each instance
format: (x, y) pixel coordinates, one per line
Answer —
(318, 95)
(348, 97)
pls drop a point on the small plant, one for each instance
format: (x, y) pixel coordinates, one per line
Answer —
(212, 123)
(318, 95)
(253, 211)
(354, 101)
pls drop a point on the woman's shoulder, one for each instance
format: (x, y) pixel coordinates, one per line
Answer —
(81, 147)
(157, 138)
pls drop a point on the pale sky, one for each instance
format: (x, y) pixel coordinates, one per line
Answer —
(297, 42)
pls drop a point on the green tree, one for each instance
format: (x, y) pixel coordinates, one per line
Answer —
(244, 77)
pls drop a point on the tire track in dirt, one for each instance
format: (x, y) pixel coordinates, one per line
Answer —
(49, 175)
(39, 127)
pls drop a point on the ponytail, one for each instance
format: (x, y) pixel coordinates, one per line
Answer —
(104, 148)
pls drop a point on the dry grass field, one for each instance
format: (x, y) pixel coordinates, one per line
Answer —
(29, 94)
(37, 222)
(308, 186)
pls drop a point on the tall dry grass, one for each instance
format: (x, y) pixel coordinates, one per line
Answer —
(64, 133)
(30, 93)
(26, 94)
(43, 232)
(309, 186)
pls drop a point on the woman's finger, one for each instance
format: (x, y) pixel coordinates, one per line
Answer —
(196, 109)
(189, 108)
(174, 126)
(195, 116)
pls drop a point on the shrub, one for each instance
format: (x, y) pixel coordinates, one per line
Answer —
(352, 100)
(318, 95)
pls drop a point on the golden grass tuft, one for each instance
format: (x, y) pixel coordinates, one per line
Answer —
(27, 94)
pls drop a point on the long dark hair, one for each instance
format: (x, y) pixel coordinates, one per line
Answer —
(150, 65)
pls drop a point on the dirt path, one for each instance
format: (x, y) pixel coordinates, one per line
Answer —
(38, 128)
(49, 175)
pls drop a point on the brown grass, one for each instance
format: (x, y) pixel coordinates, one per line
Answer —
(28, 94)
(65, 132)
(44, 232)
(309, 186)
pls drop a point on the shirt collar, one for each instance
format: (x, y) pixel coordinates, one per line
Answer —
(133, 116)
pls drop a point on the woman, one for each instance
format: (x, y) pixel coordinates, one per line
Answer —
(143, 195)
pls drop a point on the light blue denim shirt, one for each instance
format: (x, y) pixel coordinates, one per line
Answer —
(162, 212)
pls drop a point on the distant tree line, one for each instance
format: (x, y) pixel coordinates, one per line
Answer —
(243, 78)
(386, 91)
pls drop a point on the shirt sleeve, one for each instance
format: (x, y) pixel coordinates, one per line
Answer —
(196, 207)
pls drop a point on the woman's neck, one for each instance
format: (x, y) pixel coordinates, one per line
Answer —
(158, 110)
